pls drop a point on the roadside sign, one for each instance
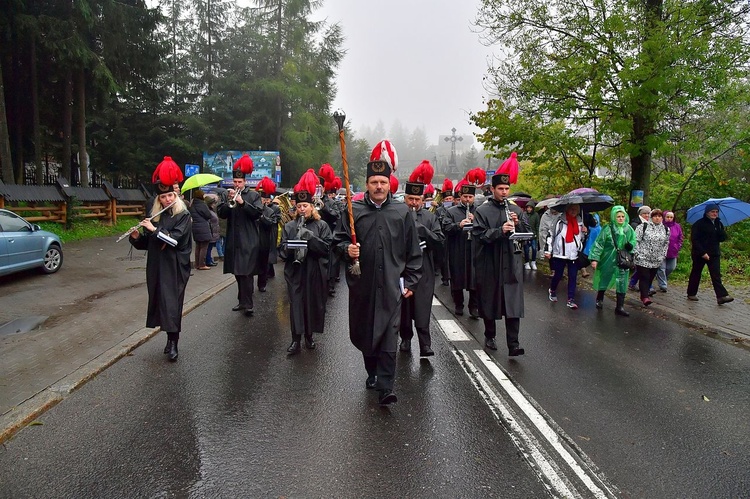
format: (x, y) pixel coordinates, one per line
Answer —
(191, 170)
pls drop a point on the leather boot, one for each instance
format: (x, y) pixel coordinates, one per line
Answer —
(172, 350)
(309, 342)
(620, 308)
(168, 347)
(294, 348)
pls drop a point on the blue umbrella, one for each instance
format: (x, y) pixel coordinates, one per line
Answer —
(731, 210)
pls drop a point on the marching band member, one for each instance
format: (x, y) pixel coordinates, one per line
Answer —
(168, 239)
(268, 229)
(305, 245)
(242, 209)
(387, 250)
(417, 308)
(331, 213)
(441, 256)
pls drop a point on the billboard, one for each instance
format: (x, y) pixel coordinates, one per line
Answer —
(265, 164)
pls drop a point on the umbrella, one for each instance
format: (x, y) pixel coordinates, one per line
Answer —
(731, 210)
(520, 200)
(589, 202)
(520, 194)
(199, 180)
(584, 190)
(545, 203)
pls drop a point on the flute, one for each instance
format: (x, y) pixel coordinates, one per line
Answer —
(136, 227)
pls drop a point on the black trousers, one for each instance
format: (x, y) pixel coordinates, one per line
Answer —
(245, 290)
(645, 279)
(714, 270)
(382, 362)
(512, 329)
(458, 298)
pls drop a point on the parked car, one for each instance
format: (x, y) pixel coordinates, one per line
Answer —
(25, 246)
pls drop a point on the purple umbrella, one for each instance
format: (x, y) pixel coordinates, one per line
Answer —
(583, 190)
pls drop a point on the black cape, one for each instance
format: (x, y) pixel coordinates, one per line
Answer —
(459, 248)
(243, 239)
(268, 230)
(167, 269)
(307, 281)
(498, 270)
(389, 250)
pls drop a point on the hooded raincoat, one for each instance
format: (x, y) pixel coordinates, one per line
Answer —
(604, 252)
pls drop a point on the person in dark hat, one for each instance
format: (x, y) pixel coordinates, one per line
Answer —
(168, 239)
(387, 251)
(441, 255)
(330, 212)
(705, 237)
(456, 225)
(268, 230)
(305, 245)
(242, 209)
(498, 268)
(416, 309)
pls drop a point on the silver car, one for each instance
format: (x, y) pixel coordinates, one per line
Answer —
(24, 246)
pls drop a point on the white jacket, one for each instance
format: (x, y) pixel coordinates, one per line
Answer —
(555, 244)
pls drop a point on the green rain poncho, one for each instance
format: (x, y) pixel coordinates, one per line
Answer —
(604, 252)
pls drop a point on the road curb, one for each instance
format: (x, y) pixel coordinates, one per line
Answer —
(29, 410)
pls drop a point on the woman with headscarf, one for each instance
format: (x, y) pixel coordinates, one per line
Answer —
(618, 235)
(676, 238)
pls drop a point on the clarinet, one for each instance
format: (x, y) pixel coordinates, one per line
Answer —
(517, 247)
(469, 225)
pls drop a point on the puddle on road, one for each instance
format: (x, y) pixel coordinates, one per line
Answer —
(22, 325)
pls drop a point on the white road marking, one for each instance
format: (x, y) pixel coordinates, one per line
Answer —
(523, 440)
(538, 420)
(436, 302)
(452, 331)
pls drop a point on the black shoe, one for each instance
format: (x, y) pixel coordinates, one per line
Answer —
(724, 299)
(405, 346)
(426, 352)
(621, 311)
(212, 264)
(371, 382)
(168, 347)
(599, 304)
(515, 352)
(387, 397)
(294, 348)
(331, 292)
(490, 343)
(651, 292)
(237, 308)
(445, 283)
(474, 312)
(262, 290)
(692, 298)
(172, 350)
(249, 312)
(459, 311)
(309, 342)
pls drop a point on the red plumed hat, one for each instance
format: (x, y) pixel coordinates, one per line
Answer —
(243, 166)
(266, 186)
(358, 196)
(423, 173)
(510, 167)
(383, 159)
(167, 174)
(394, 184)
(305, 188)
(429, 190)
(336, 184)
(447, 186)
(326, 171)
(476, 176)
(464, 187)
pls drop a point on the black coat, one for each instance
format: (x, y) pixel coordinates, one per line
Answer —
(167, 269)
(242, 239)
(201, 216)
(389, 250)
(307, 281)
(432, 238)
(705, 237)
(499, 271)
(268, 230)
(459, 248)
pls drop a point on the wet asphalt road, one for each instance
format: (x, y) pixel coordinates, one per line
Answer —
(234, 417)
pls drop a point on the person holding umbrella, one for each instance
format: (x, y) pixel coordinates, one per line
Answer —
(618, 235)
(705, 237)
(561, 248)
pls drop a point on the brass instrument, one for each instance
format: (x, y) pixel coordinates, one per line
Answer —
(285, 205)
(318, 198)
(436, 202)
(233, 201)
(136, 227)
(516, 237)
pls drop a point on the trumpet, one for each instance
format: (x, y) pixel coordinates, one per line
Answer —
(136, 227)
(318, 198)
(233, 201)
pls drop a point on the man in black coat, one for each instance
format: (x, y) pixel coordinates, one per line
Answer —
(268, 231)
(418, 307)
(387, 250)
(456, 225)
(499, 269)
(331, 213)
(705, 237)
(441, 256)
(243, 238)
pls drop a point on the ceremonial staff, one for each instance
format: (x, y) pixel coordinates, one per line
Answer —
(339, 116)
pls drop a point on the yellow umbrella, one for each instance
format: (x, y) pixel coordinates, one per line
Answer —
(199, 180)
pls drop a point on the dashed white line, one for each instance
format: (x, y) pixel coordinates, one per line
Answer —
(452, 330)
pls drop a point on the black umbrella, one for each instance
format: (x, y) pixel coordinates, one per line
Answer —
(590, 201)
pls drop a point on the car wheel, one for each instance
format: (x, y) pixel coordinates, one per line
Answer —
(53, 259)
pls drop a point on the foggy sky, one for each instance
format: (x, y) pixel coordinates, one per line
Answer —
(418, 61)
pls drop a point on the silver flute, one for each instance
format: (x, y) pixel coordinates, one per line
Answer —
(136, 227)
